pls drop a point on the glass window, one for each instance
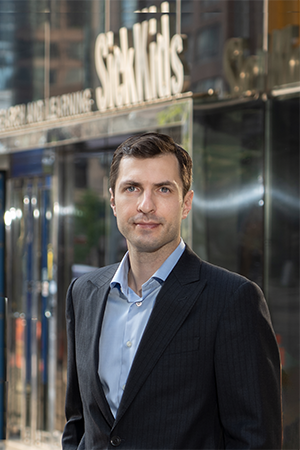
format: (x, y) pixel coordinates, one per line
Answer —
(209, 3)
(53, 76)
(282, 252)
(29, 220)
(94, 225)
(186, 13)
(228, 177)
(39, 49)
(76, 12)
(74, 75)
(208, 42)
(39, 73)
(211, 83)
(75, 50)
(6, 64)
(241, 23)
(54, 50)
(128, 14)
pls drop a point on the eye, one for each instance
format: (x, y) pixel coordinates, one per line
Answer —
(131, 188)
(164, 189)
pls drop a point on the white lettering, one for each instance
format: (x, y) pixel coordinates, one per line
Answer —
(153, 53)
(177, 67)
(166, 50)
(65, 106)
(101, 51)
(87, 101)
(35, 111)
(119, 88)
(128, 55)
(150, 69)
(140, 34)
(53, 108)
(246, 72)
(13, 117)
(48, 109)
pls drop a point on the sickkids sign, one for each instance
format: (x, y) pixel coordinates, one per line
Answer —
(148, 70)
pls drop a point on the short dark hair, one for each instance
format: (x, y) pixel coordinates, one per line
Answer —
(149, 145)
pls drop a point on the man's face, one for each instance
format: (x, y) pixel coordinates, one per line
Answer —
(148, 203)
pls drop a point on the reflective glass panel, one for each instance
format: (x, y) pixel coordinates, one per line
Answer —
(31, 288)
(282, 252)
(228, 184)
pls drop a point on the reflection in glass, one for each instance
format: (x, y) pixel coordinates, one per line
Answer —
(228, 167)
(96, 239)
(31, 364)
(282, 283)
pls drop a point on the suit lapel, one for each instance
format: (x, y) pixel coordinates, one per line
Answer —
(173, 304)
(97, 301)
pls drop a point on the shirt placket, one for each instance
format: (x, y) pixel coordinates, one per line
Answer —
(130, 342)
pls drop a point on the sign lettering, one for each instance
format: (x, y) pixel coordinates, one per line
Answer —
(49, 109)
(149, 70)
(246, 72)
(144, 72)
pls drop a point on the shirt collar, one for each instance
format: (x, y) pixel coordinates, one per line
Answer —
(120, 279)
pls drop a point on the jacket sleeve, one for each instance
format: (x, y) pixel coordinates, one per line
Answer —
(248, 372)
(73, 434)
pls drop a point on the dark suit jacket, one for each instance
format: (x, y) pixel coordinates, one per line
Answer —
(206, 374)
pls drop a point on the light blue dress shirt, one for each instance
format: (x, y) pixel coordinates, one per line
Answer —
(125, 319)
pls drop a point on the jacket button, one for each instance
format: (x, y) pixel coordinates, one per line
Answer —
(115, 441)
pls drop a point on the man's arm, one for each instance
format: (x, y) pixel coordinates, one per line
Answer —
(248, 373)
(73, 435)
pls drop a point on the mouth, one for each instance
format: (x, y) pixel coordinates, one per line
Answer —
(147, 225)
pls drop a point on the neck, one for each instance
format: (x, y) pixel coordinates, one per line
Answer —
(143, 265)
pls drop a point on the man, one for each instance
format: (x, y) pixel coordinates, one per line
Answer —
(166, 351)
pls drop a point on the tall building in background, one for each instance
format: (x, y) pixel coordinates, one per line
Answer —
(7, 54)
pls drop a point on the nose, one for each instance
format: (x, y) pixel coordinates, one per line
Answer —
(146, 203)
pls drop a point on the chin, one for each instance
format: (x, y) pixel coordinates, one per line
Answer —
(150, 246)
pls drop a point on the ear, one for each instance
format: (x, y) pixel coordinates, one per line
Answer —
(112, 202)
(187, 204)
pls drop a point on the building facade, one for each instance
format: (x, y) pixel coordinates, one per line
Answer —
(76, 78)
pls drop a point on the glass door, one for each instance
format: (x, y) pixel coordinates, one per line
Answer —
(228, 213)
(32, 298)
(282, 261)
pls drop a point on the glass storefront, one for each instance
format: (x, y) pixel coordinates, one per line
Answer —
(228, 183)
(32, 299)
(282, 250)
(59, 225)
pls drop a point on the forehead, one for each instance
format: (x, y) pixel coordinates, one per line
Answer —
(155, 169)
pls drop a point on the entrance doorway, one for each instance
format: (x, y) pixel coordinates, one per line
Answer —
(31, 286)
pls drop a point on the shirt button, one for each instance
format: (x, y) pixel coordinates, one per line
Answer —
(123, 387)
(138, 304)
(115, 441)
(129, 344)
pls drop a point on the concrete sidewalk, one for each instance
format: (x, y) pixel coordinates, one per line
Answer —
(17, 445)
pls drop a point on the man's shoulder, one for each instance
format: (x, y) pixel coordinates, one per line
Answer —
(214, 275)
(97, 277)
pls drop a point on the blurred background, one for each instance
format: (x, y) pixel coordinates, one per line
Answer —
(220, 76)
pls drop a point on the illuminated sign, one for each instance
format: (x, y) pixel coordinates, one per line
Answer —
(49, 109)
(149, 70)
(246, 72)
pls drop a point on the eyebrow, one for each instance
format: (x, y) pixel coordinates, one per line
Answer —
(166, 183)
(137, 184)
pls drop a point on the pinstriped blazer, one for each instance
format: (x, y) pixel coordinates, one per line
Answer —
(206, 374)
